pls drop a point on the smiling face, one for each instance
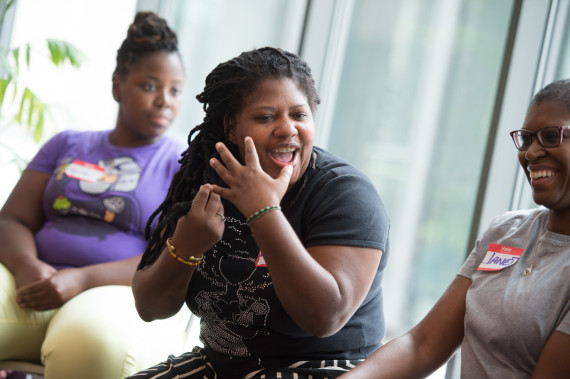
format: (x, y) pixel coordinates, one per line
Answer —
(548, 169)
(149, 96)
(278, 118)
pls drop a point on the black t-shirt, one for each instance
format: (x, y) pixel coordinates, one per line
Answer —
(243, 325)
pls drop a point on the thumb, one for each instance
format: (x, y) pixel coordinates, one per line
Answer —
(286, 173)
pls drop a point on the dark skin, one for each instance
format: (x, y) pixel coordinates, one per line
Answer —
(430, 343)
(275, 121)
(149, 99)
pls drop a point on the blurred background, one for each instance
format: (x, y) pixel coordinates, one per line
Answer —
(419, 94)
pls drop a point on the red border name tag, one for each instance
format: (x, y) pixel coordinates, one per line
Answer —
(499, 257)
(88, 172)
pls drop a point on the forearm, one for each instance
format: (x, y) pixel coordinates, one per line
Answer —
(110, 273)
(18, 247)
(425, 347)
(399, 358)
(160, 289)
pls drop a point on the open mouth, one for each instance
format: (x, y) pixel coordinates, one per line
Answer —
(284, 155)
(541, 174)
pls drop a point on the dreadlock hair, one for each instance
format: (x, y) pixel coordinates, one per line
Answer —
(558, 91)
(148, 33)
(227, 88)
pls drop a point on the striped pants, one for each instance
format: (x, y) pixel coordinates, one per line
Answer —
(195, 365)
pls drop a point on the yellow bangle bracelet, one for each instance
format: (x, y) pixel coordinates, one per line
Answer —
(192, 261)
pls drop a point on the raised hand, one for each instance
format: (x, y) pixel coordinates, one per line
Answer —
(251, 188)
(203, 225)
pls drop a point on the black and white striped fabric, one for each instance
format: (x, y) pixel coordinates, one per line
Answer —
(195, 365)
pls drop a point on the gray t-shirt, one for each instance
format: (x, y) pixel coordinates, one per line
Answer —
(519, 300)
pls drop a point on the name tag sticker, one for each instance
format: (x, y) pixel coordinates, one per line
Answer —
(85, 171)
(499, 257)
(260, 261)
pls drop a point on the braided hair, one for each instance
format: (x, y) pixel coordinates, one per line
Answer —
(224, 95)
(149, 33)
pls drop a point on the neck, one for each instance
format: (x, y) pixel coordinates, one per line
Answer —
(117, 138)
(559, 222)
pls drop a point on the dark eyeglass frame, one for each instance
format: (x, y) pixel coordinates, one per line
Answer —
(539, 135)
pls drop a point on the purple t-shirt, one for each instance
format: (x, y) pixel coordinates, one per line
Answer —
(100, 196)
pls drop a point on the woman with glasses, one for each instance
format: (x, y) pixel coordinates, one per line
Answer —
(508, 307)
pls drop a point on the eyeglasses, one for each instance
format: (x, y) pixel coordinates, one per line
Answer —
(551, 136)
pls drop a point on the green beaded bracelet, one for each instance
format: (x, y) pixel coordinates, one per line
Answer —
(256, 215)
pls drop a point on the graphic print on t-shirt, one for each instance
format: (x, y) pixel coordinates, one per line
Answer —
(233, 300)
(102, 190)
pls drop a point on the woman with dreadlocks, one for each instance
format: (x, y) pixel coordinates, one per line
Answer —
(72, 230)
(277, 245)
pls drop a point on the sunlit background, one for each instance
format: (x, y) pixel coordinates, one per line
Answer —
(419, 94)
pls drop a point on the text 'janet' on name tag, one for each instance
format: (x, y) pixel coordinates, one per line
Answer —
(499, 257)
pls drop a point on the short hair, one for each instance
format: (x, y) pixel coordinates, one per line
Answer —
(558, 91)
(149, 33)
(226, 90)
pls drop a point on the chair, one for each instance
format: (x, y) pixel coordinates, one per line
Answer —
(31, 369)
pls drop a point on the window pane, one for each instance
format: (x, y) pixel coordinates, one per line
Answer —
(213, 31)
(413, 111)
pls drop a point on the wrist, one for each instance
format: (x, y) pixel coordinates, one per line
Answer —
(256, 215)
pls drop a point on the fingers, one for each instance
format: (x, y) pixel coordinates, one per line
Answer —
(32, 296)
(251, 158)
(229, 160)
(201, 199)
(232, 166)
(207, 202)
(285, 174)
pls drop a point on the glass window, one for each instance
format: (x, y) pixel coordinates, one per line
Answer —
(79, 99)
(413, 109)
(213, 31)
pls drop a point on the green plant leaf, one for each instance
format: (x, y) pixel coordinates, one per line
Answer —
(39, 128)
(4, 83)
(15, 90)
(60, 51)
(55, 52)
(76, 57)
(16, 57)
(28, 53)
(25, 99)
(31, 109)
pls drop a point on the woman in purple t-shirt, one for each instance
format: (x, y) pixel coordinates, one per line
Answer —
(72, 230)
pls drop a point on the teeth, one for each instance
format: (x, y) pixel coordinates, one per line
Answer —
(285, 150)
(541, 174)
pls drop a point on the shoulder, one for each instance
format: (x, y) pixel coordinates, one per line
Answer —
(74, 137)
(519, 218)
(328, 167)
(328, 162)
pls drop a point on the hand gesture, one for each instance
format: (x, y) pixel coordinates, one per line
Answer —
(203, 225)
(51, 292)
(251, 188)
